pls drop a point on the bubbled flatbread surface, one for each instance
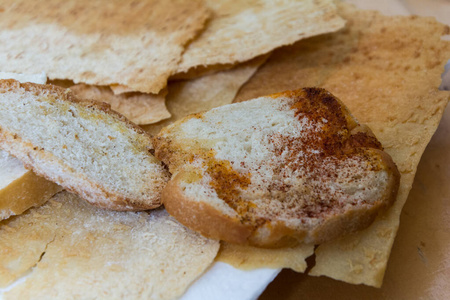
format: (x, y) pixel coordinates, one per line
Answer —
(243, 29)
(99, 42)
(387, 71)
(76, 251)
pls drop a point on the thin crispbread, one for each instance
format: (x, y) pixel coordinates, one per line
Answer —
(139, 108)
(249, 258)
(36, 78)
(387, 71)
(200, 71)
(73, 250)
(192, 96)
(118, 89)
(241, 30)
(99, 42)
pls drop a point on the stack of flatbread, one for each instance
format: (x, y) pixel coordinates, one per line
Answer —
(135, 47)
(158, 61)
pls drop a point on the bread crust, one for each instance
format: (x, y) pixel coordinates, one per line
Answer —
(210, 222)
(96, 194)
(201, 216)
(206, 218)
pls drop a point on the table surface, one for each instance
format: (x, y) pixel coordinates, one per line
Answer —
(419, 266)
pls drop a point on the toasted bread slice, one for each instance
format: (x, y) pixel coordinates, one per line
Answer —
(81, 145)
(275, 171)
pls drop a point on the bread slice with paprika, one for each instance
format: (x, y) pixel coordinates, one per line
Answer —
(276, 171)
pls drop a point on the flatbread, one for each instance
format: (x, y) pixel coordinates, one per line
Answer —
(40, 78)
(99, 42)
(200, 71)
(241, 30)
(139, 108)
(248, 258)
(76, 251)
(118, 89)
(13, 263)
(204, 93)
(387, 71)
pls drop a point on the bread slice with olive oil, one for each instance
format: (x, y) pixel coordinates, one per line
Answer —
(83, 146)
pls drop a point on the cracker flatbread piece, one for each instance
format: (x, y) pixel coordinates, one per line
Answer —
(118, 89)
(248, 258)
(139, 108)
(387, 71)
(204, 93)
(99, 42)
(40, 78)
(241, 30)
(76, 251)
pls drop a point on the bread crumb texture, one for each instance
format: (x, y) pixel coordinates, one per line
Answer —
(291, 159)
(73, 250)
(387, 71)
(83, 146)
